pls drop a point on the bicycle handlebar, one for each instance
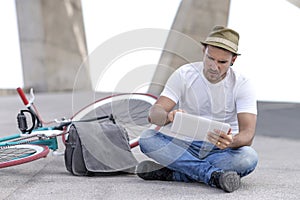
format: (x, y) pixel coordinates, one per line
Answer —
(23, 96)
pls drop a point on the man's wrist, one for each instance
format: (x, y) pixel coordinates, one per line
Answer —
(157, 115)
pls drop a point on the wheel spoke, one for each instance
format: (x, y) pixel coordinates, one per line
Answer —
(22, 153)
(8, 154)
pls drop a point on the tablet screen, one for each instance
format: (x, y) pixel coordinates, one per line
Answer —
(195, 127)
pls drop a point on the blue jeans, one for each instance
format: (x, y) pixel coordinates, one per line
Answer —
(196, 160)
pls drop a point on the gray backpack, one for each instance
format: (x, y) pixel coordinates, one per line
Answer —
(98, 148)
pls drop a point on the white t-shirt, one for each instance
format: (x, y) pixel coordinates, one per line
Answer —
(188, 87)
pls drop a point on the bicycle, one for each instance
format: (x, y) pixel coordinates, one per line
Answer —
(130, 110)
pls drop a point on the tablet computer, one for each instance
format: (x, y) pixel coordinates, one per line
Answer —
(193, 127)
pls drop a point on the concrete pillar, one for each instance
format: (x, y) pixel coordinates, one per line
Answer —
(295, 2)
(52, 43)
(195, 19)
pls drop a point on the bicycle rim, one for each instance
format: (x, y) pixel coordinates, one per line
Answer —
(128, 110)
(19, 154)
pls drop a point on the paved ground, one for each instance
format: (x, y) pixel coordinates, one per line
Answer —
(276, 177)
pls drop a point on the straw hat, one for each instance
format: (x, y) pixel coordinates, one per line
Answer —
(223, 37)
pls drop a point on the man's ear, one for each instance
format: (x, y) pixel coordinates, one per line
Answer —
(233, 60)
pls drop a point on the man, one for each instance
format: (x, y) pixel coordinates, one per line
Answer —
(210, 89)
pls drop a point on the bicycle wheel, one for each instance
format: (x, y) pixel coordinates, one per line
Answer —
(19, 154)
(128, 110)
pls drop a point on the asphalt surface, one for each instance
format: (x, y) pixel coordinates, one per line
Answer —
(276, 177)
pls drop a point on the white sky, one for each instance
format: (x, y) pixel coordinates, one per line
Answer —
(10, 70)
(105, 20)
(269, 45)
(269, 39)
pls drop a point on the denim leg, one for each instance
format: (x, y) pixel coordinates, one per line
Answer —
(176, 155)
(243, 160)
(197, 160)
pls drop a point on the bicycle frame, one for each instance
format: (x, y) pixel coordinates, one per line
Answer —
(46, 136)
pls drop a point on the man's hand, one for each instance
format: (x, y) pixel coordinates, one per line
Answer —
(220, 139)
(161, 112)
(171, 114)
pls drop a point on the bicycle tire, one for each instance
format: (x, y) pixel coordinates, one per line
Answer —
(129, 110)
(19, 154)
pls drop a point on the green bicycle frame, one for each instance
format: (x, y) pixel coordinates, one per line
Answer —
(51, 142)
